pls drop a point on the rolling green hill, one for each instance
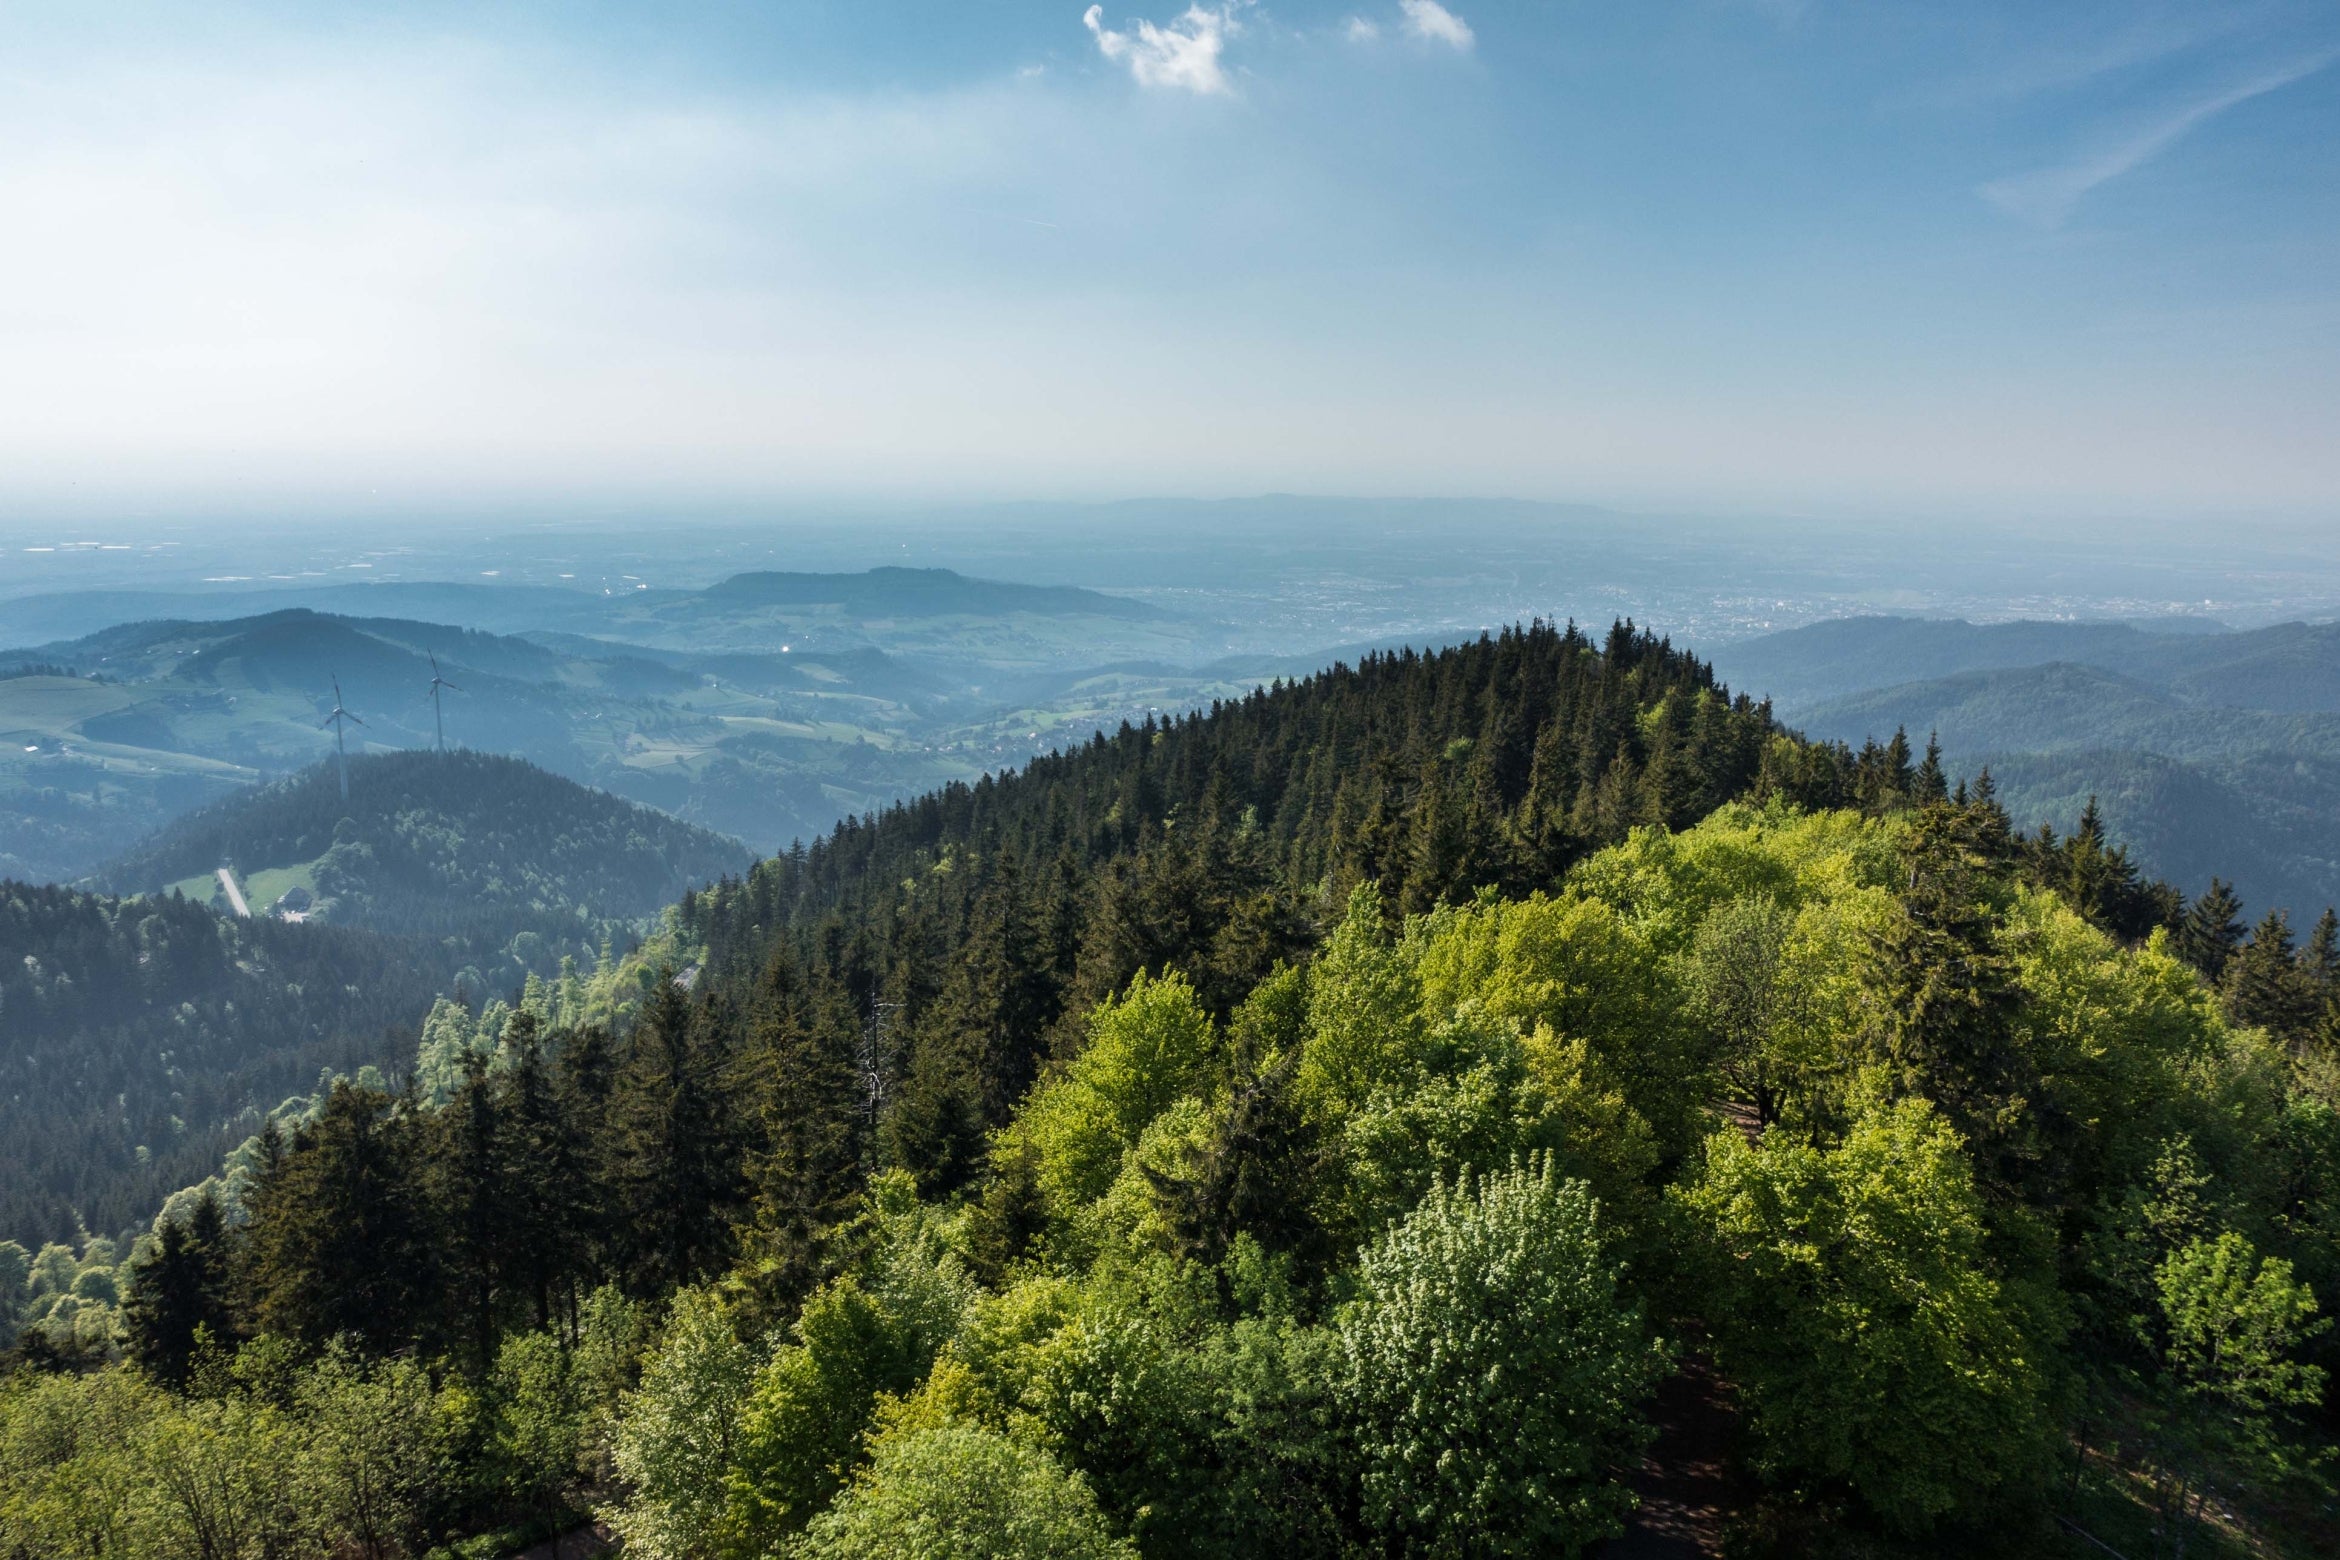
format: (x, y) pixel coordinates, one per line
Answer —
(1247, 1130)
(438, 844)
(156, 718)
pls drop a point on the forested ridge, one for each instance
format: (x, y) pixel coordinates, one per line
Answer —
(1313, 1126)
(143, 1036)
(137, 1036)
(442, 845)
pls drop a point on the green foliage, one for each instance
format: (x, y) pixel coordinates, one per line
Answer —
(872, 1331)
(2232, 1325)
(378, 1438)
(140, 1038)
(536, 1436)
(960, 1491)
(1146, 1048)
(992, 1142)
(675, 1433)
(1854, 1302)
(1494, 1372)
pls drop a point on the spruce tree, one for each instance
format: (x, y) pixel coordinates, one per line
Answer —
(799, 1062)
(2212, 930)
(1947, 1001)
(179, 1295)
(471, 1191)
(1930, 784)
(675, 1151)
(2267, 985)
(339, 1239)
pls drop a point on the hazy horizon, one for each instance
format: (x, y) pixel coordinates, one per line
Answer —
(1749, 256)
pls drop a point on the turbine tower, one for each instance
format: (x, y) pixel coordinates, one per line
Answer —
(339, 746)
(437, 719)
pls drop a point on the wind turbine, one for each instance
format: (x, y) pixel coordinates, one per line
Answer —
(339, 746)
(437, 682)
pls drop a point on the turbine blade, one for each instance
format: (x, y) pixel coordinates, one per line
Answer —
(354, 719)
(456, 687)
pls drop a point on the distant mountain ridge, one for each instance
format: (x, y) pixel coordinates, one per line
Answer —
(886, 591)
(441, 844)
(927, 592)
(137, 723)
(2289, 666)
(2209, 752)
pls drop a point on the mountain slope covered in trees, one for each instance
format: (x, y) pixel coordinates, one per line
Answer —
(2211, 753)
(140, 1039)
(443, 845)
(142, 1035)
(1307, 1128)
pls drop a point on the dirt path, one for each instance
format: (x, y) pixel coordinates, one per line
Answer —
(1687, 1495)
(235, 895)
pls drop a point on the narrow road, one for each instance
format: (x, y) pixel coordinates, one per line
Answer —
(227, 881)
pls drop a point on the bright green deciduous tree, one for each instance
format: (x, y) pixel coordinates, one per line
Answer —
(2232, 1326)
(957, 1492)
(376, 1450)
(1146, 1048)
(1493, 1372)
(675, 1432)
(1851, 1300)
(223, 1482)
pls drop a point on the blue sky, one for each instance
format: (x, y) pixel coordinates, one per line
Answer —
(1740, 254)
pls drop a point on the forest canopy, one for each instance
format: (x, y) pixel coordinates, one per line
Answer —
(1313, 1127)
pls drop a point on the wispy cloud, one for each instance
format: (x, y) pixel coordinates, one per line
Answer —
(2047, 195)
(1429, 19)
(1183, 56)
(1360, 30)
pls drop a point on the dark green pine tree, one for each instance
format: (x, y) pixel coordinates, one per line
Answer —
(1930, 784)
(2320, 957)
(554, 1197)
(935, 1125)
(2266, 984)
(1982, 828)
(471, 1190)
(2212, 930)
(675, 1150)
(339, 1237)
(1005, 1224)
(2099, 881)
(181, 1295)
(1947, 1003)
(801, 1065)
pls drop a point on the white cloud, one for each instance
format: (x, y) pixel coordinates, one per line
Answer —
(1185, 55)
(1429, 19)
(2047, 195)
(1359, 30)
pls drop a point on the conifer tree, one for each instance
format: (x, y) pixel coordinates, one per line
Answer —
(2212, 930)
(1947, 1000)
(2267, 985)
(553, 1194)
(800, 1061)
(1930, 783)
(675, 1149)
(471, 1190)
(339, 1236)
(180, 1294)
